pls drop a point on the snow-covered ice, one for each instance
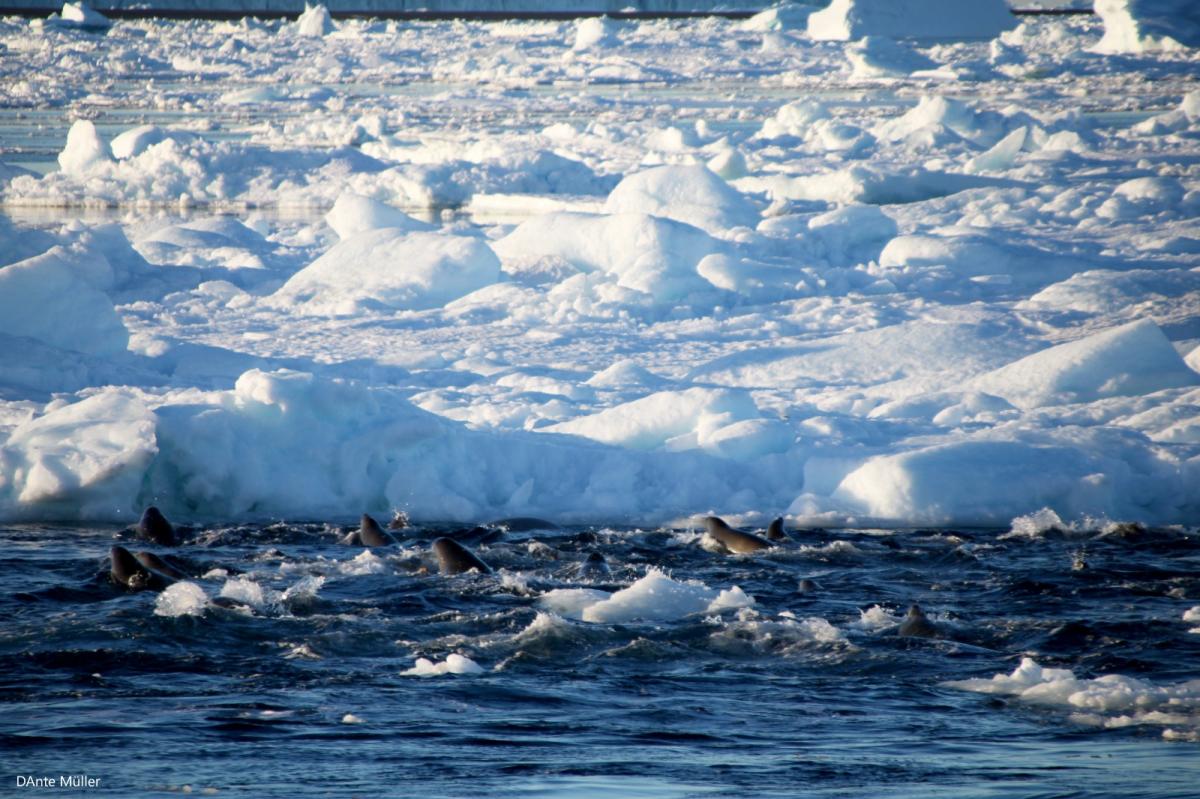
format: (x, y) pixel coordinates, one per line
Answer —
(872, 264)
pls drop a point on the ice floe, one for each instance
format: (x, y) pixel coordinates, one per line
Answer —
(613, 271)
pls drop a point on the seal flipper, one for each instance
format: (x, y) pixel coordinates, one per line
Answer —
(154, 527)
(454, 558)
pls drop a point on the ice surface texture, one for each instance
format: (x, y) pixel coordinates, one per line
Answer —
(954, 294)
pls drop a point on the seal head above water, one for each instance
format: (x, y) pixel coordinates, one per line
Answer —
(733, 540)
(128, 571)
(454, 558)
(916, 624)
(370, 534)
(153, 526)
(775, 532)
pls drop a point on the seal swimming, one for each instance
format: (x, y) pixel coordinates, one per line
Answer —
(368, 534)
(153, 526)
(595, 566)
(524, 524)
(733, 540)
(775, 531)
(156, 564)
(127, 571)
(916, 624)
(454, 558)
(371, 534)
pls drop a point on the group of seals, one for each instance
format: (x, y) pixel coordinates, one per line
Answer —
(148, 571)
(128, 571)
(145, 570)
(453, 556)
(915, 623)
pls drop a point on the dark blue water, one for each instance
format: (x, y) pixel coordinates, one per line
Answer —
(303, 692)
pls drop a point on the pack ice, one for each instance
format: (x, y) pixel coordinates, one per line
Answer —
(903, 263)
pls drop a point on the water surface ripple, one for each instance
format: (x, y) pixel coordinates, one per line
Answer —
(294, 683)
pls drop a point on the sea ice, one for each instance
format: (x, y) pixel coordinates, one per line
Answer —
(925, 19)
(1133, 359)
(690, 194)
(1136, 26)
(393, 268)
(680, 266)
(315, 21)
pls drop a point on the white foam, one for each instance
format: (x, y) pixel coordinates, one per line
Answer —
(784, 635)
(1111, 701)
(877, 618)
(657, 597)
(453, 664)
(571, 602)
(1033, 525)
(248, 591)
(181, 599)
(365, 562)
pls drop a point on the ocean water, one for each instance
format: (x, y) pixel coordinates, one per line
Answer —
(282, 671)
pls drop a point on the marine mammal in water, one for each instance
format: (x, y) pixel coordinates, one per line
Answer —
(371, 534)
(128, 571)
(775, 531)
(595, 566)
(454, 558)
(368, 534)
(153, 526)
(916, 624)
(733, 540)
(524, 524)
(156, 564)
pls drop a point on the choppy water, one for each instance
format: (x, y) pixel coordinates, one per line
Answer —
(299, 690)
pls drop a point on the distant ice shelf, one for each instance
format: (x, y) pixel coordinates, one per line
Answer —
(432, 8)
